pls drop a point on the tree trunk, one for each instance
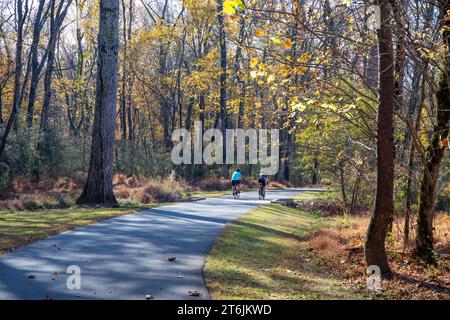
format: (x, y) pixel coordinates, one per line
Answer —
(375, 251)
(399, 9)
(435, 152)
(99, 188)
(1, 106)
(315, 173)
(223, 83)
(341, 168)
(21, 17)
(411, 162)
(57, 16)
(36, 67)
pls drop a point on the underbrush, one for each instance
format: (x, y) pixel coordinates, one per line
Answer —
(25, 194)
(339, 247)
(143, 190)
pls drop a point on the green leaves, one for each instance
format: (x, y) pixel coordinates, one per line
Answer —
(230, 6)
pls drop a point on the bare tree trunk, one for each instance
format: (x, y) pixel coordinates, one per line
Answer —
(1, 105)
(99, 188)
(57, 16)
(315, 173)
(435, 152)
(22, 12)
(399, 11)
(223, 82)
(123, 109)
(341, 168)
(375, 251)
(36, 66)
(411, 163)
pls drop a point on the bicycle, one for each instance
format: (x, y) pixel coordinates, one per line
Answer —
(236, 193)
(262, 192)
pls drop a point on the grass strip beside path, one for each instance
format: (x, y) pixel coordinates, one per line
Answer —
(264, 256)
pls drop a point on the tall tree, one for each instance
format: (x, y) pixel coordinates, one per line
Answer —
(36, 66)
(223, 81)
(435, 152)
(58, 12)
(22, 8)
(99, 188)
(375, 251)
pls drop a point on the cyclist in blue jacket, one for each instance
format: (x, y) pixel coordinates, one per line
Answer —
(236, 181)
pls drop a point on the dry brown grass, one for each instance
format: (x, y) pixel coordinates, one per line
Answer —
(279, 185)
(339, 247)
(328, 242)
(143, 190)
(212, 184)
(25, 194)
(61, 193)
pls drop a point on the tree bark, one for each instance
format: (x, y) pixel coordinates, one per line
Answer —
(375, 251)
(1, 106)
(99, 188)
(315, 172)
(36, 66)
(439, 142)
(123, 109)
(223, 82)
(57, 16)
(341, 168)
(22, 12)
(411, 163)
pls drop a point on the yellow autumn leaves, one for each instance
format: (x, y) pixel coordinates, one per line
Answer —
(230, 6)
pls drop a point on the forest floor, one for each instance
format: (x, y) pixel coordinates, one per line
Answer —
(338, 246)
(276, 252)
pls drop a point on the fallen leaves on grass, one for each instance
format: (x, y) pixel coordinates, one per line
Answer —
(339, 249)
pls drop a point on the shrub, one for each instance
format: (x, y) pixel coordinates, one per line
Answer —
(167, 190)
(213, 184)
(327, 242)
(121, 192)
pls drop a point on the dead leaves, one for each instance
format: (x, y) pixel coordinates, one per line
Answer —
(194, 293)
(443, 143)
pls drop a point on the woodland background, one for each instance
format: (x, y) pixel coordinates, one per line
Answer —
(311, 68)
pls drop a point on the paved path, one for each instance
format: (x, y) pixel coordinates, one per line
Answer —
(127, 257)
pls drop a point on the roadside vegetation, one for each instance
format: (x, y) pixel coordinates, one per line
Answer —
(317, 252)
(261, 256)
